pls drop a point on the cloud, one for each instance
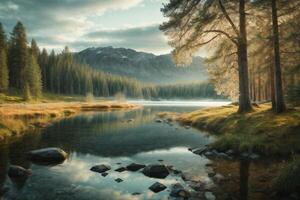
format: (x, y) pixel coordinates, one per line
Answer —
(145, 38)
(56, 23)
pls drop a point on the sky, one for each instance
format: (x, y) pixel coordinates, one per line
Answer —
(80, 24)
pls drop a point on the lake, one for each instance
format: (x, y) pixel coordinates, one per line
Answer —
(115, 138)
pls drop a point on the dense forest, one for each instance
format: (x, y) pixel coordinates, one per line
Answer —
(256, 46)
(32, 71)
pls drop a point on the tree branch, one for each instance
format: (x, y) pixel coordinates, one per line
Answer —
(222, 32)
(228, 18)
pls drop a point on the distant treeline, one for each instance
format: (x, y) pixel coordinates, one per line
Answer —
(32, 71)
(188, 90)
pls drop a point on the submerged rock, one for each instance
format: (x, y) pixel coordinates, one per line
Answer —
(178, 190)
(15, 171)
(218, 178)
(199, 151)
(156, 171)
(157, 187)
(159, 121)
(135, 167)
(118, 180)
(121, 169)
(209, 196)
(104, 174)
(100, 168)
(187, 127)
(251, 156)
(48, 155)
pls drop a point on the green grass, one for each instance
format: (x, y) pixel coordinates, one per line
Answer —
(259, 131)
(288, 181)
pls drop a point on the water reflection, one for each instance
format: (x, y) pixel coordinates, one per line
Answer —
(244, 176)
(105, 137)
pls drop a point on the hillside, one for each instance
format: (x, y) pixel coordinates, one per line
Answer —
(145, 67)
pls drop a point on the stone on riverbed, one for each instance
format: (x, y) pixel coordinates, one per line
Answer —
(121, 169)
(15, 171)
(48, 155)
(135, 167)
(178, 190)
(104, 174)
(199, 151)
(157, 187)
(209, 196)
(100, 168)
(251, 156)
(156, 171)
(118, 180)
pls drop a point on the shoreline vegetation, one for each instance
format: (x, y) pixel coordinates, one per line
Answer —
(273, 137)
(18, 118)
(260, 131)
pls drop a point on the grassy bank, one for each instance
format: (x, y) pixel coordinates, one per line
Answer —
(260, 131)
(17, 118)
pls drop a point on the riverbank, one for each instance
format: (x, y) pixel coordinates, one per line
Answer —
(260, 131)
(17, 118)
(274, 140)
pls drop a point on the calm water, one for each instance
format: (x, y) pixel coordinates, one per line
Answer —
(106, 137)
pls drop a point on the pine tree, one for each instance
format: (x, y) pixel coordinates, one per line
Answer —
(32, 78)
(3, 62)
(195, 23)
(43, 63)
(26, 92)
(34, 49)
(18, 54)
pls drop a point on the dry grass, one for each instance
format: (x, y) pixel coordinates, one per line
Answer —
(16, 118)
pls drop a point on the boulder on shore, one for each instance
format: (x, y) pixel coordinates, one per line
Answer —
(157, 187)
(15, 171)
(48, 155)
(100, 168)
(156, 171)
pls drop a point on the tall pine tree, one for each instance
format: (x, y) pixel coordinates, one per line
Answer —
(18, 56)
(3, 61)
(32, 78)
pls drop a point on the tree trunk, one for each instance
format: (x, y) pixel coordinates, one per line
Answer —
(272, 87)
(280, 105)
(244, 98)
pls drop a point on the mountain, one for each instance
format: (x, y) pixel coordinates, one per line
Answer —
(143, 66)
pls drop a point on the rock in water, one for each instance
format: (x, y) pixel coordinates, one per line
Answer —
(157, 187)
(156, 171)
(199, 151)
(104, 174)
(120, 169)
(209, 196)
(177, 190)
(48, 155)
(118, 180)
(100, 168)
(15, 171)
(135, 167)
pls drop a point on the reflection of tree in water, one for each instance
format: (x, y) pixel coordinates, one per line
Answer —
(15, 154)
(3, 168)
(244, 175)
(111, 134)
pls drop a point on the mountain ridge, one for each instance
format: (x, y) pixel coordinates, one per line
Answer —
(146, 67)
